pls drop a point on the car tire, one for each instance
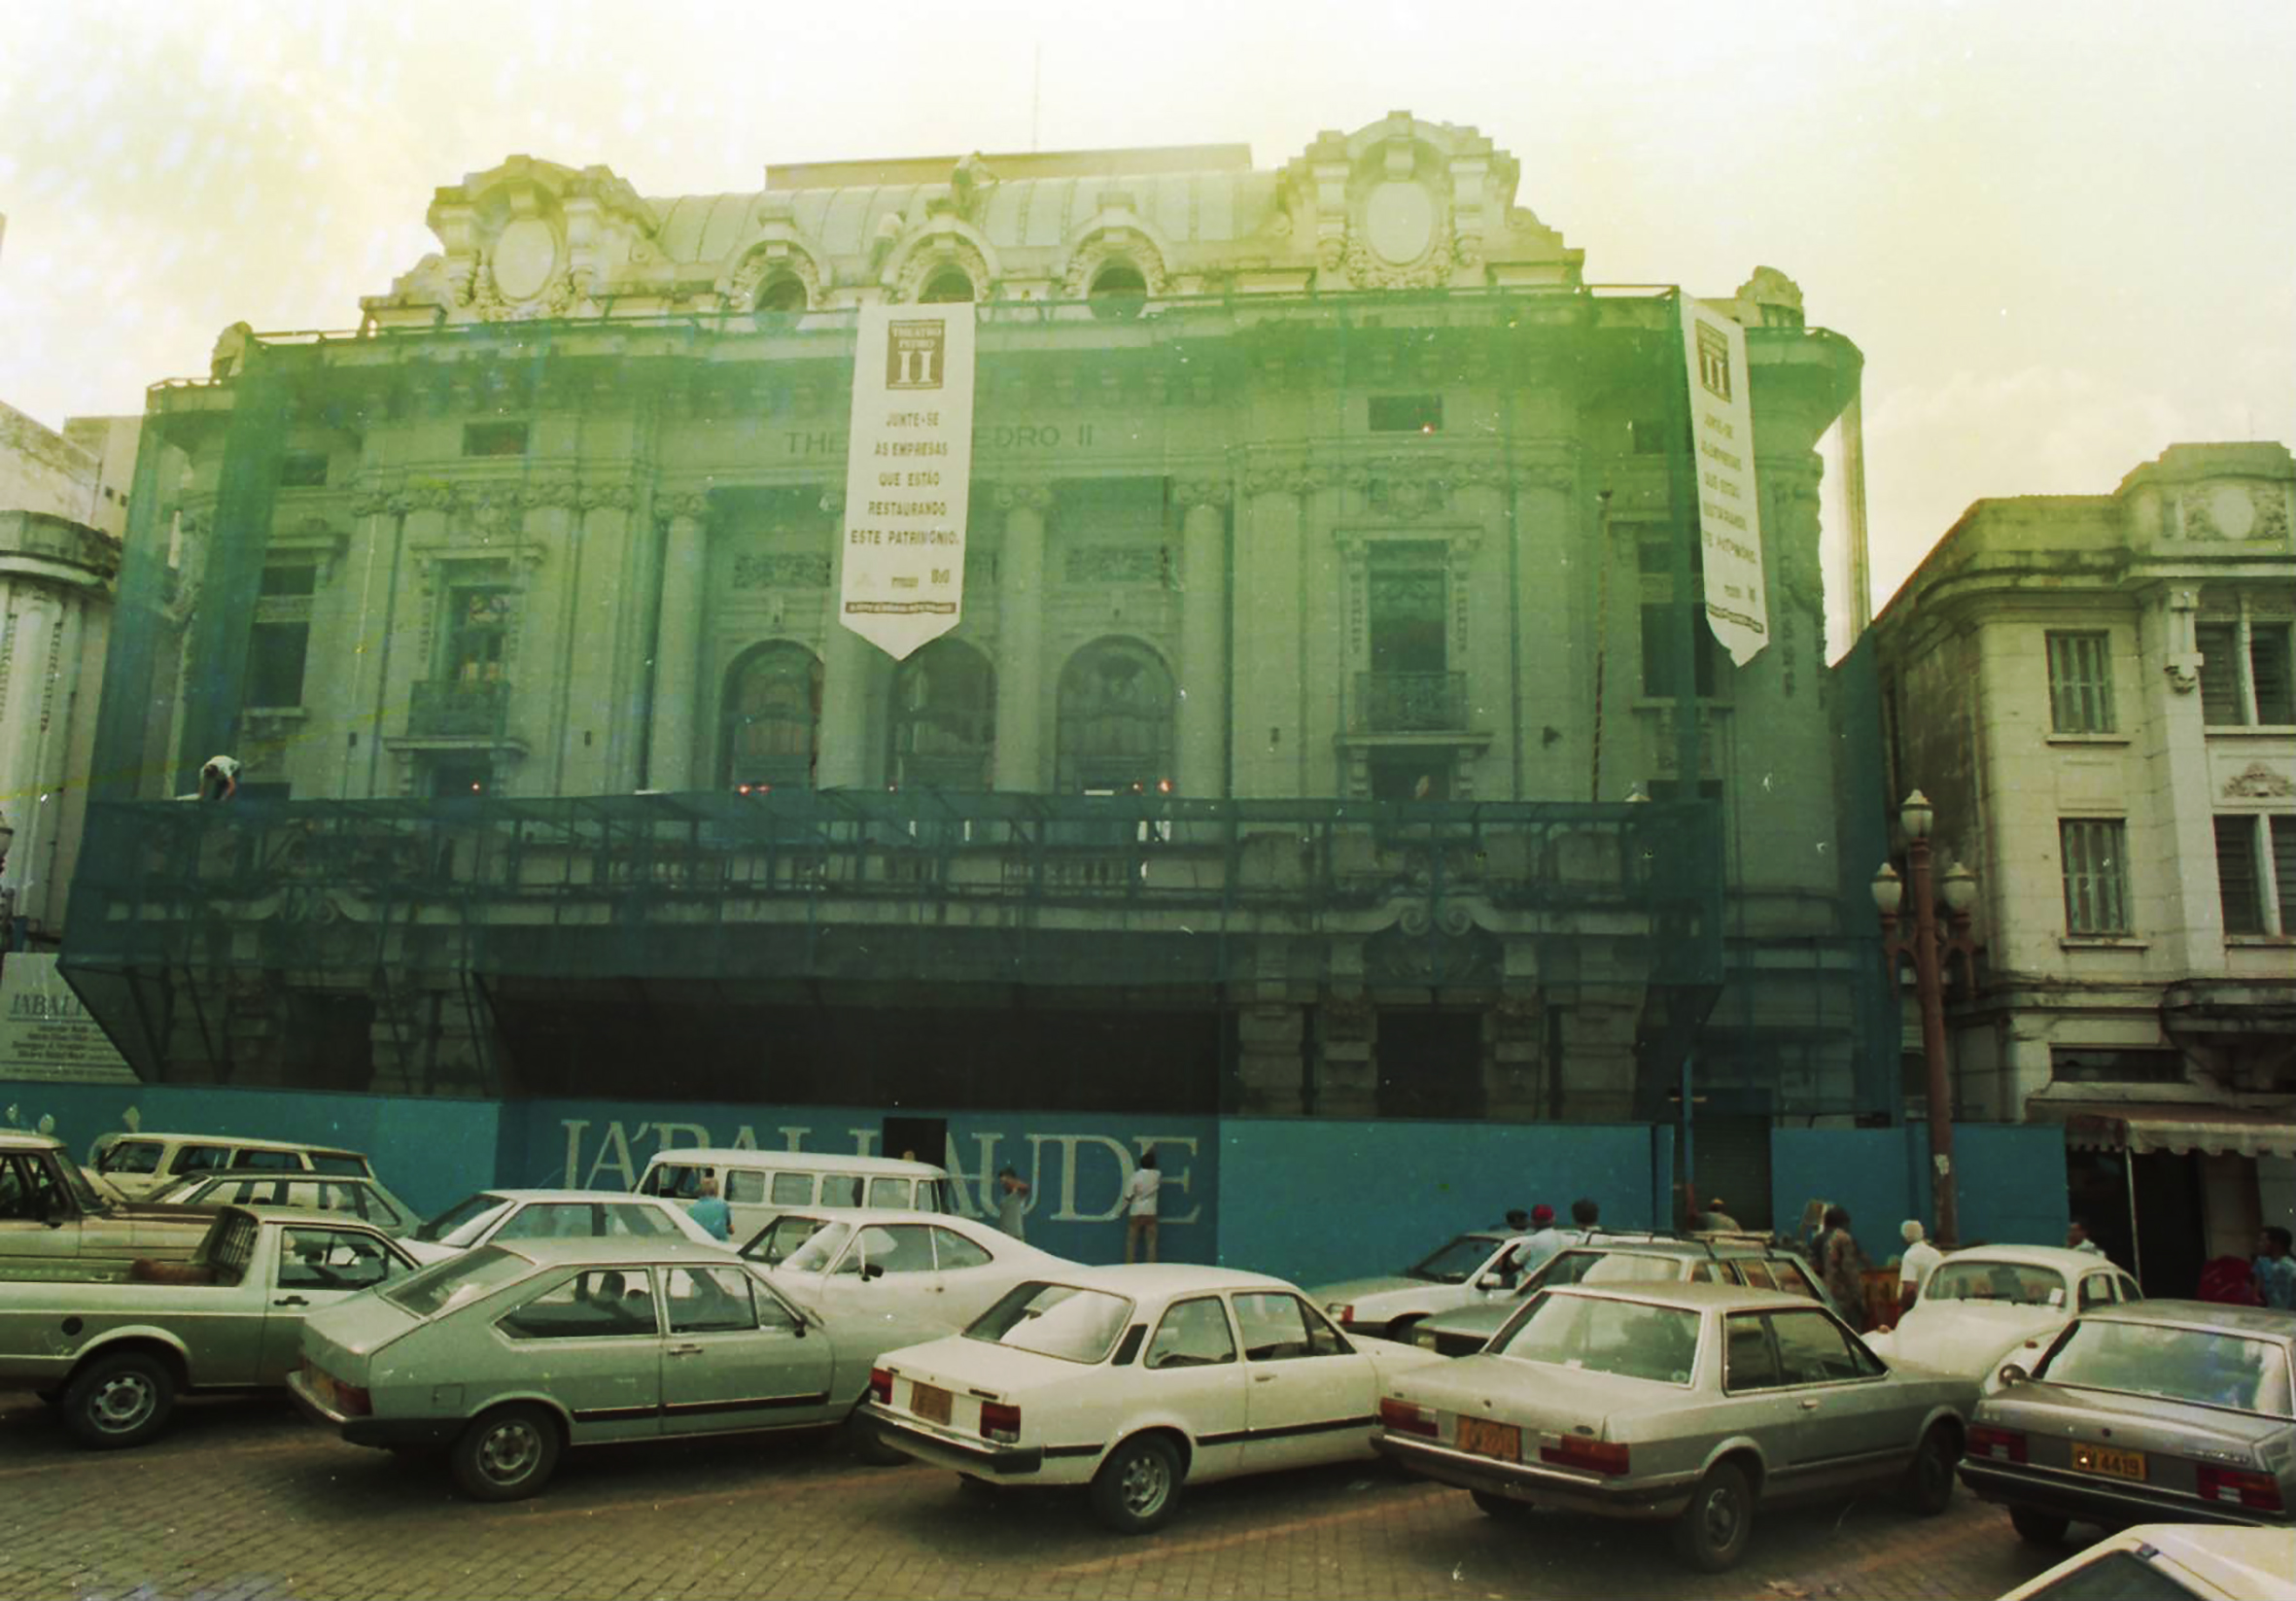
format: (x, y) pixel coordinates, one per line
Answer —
(118, 1401)
(507, 1454)
(1137, 1489)
(1503, 1508)
(1929, 1477)
(1711, 1533)
(2038, 1529)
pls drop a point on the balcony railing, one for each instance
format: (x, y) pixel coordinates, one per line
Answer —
(1410, 702)
(458, 708)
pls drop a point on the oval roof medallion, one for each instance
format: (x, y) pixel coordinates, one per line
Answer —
(2234, 508)
(523, 257)
(1398, 221)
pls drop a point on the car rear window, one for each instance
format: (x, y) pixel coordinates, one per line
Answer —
(130, 1156)
(444, 1285)
(2012, 1283)
(1626, 1337)
(1454, 1262)
(1627, 1268)
(2208, 1367)
(460, 1212)
(1056, 1320)
(336, 1162)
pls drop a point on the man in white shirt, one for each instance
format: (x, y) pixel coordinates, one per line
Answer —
(1915, 1267)
(1145, 1181)
(2076, 1238)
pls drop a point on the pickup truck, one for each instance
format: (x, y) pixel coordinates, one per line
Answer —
(112, 1347)
(53, 1219)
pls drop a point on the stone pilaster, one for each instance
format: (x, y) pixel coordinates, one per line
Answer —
(1556, 675)
(1020, 638)
(1202, 728)
(677, 642)
(1270, 729)
(847, 670)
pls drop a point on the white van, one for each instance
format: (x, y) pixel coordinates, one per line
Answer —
(136, 1162)
(755, 1185)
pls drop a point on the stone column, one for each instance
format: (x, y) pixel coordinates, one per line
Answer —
(1202, 727)
(1270, 722)
(1555, 675)
(678, 643)
(846, 673)
(1020, 637)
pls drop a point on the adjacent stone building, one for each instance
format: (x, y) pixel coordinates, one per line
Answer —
(2096, 693)
(1329, 729)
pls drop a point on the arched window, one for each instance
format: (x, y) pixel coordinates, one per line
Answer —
(1116, 718)
(783, 294)
(1118, 290)
(773, 717)
(944, 719)
(947, 287)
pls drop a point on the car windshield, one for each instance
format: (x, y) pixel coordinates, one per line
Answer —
(460, 1212)
(2208, 1367)
(817, 1253)
(1454, 1262)
(1625, 1338)
(445, 1285)
(1055, 1320)
(2009, 1283)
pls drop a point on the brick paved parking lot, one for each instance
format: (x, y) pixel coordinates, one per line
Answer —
(244, 1500)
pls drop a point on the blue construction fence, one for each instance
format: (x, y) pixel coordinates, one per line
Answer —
(1308, 1200)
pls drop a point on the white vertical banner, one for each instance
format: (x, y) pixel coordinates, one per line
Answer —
(908, 475)
(1729, 512)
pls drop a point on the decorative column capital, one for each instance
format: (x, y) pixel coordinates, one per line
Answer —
(1023, 496)
(607, 497)
(1193, 493)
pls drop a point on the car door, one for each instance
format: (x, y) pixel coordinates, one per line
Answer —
(316, 1267)
(1311, 1397)
(27, 1231)
(973, 1276)
(1190, 1375)
(591, 1341)
(1853, 1422)
(887, 1268)
(736, 1356)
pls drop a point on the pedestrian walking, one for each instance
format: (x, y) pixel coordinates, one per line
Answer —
(1915, 1267)
(1139, 1227)
(1842, 1266)
(2076, 1238)
(1546, 1242)
(1012, 1202)
(2276, 1268)
(1714, 1219)
(712, 1212)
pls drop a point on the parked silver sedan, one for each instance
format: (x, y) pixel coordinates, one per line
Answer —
(345, 1193)
(1693, 1403)
(505, 1355)
(2174, 1410)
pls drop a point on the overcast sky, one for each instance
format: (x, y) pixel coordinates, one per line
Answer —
(2062, 234)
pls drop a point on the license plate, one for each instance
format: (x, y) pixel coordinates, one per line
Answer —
(2105, 1460)
(1503, 1440)
(930, 1403)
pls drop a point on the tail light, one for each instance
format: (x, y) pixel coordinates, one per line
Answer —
(1000, 1422)
(1999, 1445)
(881, 1386)
(2240, 1487)
(1576, 1450)
(1342, 1311)
(353, 1402)
(1404, 1419)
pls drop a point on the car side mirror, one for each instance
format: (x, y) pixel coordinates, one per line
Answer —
(870, 1271)
(2011, 1375)
(1490, 1281)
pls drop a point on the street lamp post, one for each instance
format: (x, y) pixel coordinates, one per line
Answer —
(1930, 946)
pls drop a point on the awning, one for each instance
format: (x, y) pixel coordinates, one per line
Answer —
(2214, 1131)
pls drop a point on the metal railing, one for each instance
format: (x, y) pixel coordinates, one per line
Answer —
(1410, 702)
(458, 708)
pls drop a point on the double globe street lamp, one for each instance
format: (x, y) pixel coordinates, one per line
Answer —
(1929, 944)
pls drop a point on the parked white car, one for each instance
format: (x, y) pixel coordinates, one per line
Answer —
(1475, 1270)
(2180, 1560)
(1982, 1305)
(1136, 1381)
(903, 1264)
(506, 1216)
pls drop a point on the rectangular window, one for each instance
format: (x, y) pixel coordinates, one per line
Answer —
(2221, 702)
(2095, 875)
(494, 438)
(2080, 683)
(478, 633)
(2237, 887)
(1648, 434)
(1659, 651)
(2247, 675)
(1407, 414)
(276, 652)
(290, 580)
(2269, 671)
(2108, 1065)
(302, 470)
(2283, 836)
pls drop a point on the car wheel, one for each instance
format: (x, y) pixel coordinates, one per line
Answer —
(118, 1401)
(1928, 1478)
(1502, 1508)
(506, 1455)
(1138, 1487)
(2038, 1529)
(1711, 1533)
